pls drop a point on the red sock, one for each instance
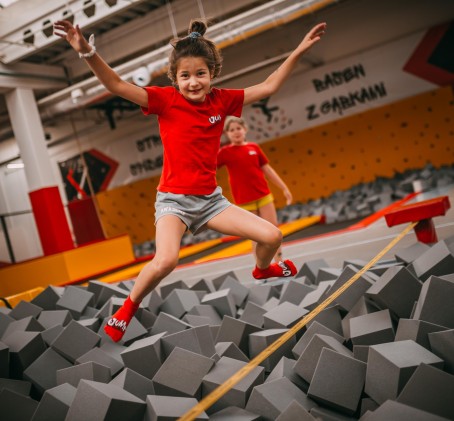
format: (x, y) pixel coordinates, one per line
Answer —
(281, 270)
(117, 324)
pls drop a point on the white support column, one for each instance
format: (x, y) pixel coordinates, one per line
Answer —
(44, 195)
(29, 134)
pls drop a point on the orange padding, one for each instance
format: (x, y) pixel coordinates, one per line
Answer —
(69, 266)
(14, 300)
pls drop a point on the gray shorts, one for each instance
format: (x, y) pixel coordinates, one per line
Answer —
(194, 210)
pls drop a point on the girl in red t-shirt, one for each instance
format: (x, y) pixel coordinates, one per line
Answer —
(248, 166)
(191, 117)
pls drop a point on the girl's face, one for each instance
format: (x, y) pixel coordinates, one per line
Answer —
(193, 78)
(236, 133)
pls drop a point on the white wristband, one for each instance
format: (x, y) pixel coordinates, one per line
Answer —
(91, 43)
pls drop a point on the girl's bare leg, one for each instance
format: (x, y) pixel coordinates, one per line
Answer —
(169, 231)
(268, 212)
(242, 223)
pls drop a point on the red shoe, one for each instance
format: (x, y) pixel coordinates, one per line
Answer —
(117, 324)
(283, 269)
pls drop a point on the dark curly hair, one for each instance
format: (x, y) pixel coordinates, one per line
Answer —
(194, 45)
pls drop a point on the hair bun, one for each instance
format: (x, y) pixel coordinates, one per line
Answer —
(198, 26)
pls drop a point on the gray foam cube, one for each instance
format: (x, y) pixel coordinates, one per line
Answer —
(312, 300)
(239, 394)
(179, 302)
(236, 331)
(223, 301)
(166, 323)
(42, 372)
(229, 349)
(196, 339)
(181, 374)
(259, 341)
(5, 321)
(25, 309)
(206, 310)
(431, 390)
(201, 285)
(152, 302)
(102, 357)
(416, 330)
(330, 317)
(373, 328)
(390, 365)
(435, 302)
(50, 318)
(24, 348)
(87, 371)
(271, 398)
(75, 340)
(4, 360)
(442, 344)
(397, 289)
(284, 315)
(295, 411)
(253, 314)
(218, 281)
(307, 362)
(338, 381)
(354, 292)
(361, 352)
(100, 401)
(48, 298)
(134, 383)
(239, 292)
(438, 261)
(194, 321)
(19, 386)
(16, 407)
(260, 294)
(166, 289)
(362, 307)
(294, 292)
(325, 414)
(313, 329)
(55, 403)
(284, 368)
(27, 324)
(327, 274)
(103, 291)
(396, 411)
(234, 413)
(49, 335)
(144, 356)
(170, 408)
(408, 254)
(310, 269)
(75, 300)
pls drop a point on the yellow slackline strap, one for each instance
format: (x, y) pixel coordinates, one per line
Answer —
(222, 389)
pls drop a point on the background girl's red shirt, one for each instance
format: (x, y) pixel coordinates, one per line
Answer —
(244, 164)
(191, 133)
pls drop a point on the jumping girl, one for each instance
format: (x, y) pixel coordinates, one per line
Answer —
(191, 117)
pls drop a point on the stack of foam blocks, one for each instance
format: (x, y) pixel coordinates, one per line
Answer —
(383, 350)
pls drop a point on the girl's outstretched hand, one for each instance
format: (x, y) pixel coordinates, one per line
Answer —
(65, 29)
(312, 37)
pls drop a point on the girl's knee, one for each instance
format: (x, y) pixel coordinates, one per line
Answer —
(165, 264)
(274, 237)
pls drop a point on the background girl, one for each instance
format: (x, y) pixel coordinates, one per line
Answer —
(248, 166)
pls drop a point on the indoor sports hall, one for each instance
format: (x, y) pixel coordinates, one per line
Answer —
(358, 148)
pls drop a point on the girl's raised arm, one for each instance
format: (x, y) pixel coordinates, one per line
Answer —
(276, 79)
(106, 75)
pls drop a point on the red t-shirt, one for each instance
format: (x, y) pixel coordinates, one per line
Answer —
(244, 164)
(190, 134)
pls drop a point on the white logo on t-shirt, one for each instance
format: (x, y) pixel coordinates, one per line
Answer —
(252, 153)
(214, 118)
